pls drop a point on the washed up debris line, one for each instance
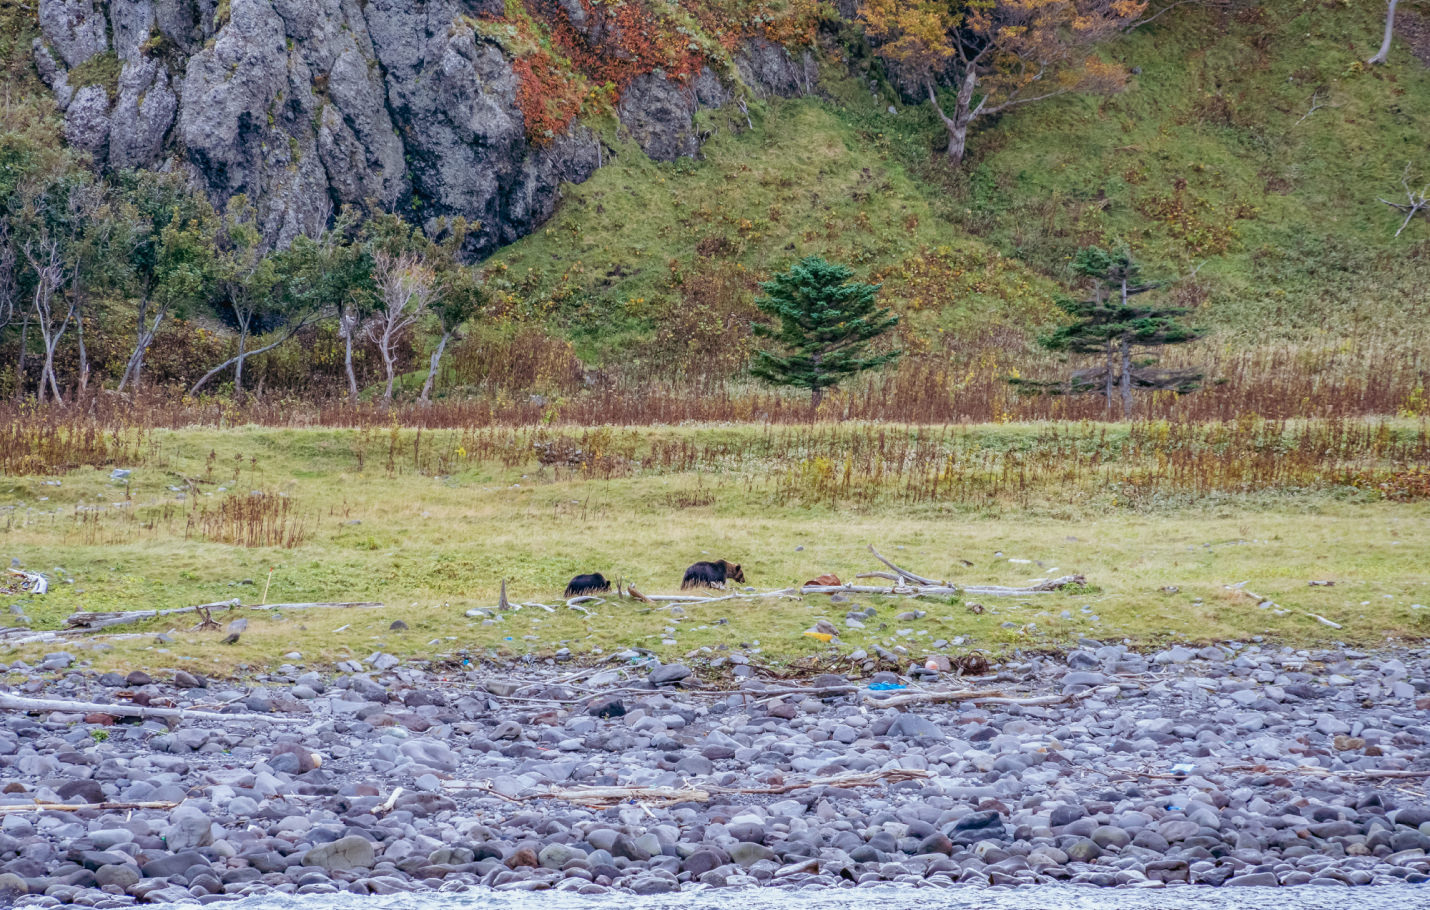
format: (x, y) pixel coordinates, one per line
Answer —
(904, 584)
(83, 622)
(606, 797)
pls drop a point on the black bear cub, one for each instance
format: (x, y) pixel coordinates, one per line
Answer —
(712, 574)
(595, 583)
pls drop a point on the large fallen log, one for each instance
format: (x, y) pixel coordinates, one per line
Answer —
(81, 807)
(596, 796)
(93, 622)
(9, 702)
(904, 583)
(851, 779)
(981, 697)
(944, 590)
(609, 796)
(318, 605)
(1042, 587)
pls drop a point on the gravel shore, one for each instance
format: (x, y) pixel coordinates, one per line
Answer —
(1230, 765)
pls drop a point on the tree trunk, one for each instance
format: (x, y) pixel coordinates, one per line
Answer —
(292, 330)
(1384, 53)
(238, 367)
(816, 390)
(144, 337)
(1111, 371)
(20, 368)
(436, 361)
(1125, 380)
(50, 368)
(347, 323)
(51, 342)
(83, 355)
(384, 347)
(50, 339)
(963, 115)
(957, 143)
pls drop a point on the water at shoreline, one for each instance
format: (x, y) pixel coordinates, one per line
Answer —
(1038, 897)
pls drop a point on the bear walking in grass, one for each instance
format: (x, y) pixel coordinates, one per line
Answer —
(711, 575)
(595, 583)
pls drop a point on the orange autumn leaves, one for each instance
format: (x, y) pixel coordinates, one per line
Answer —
(1005, 46)
(585, 52)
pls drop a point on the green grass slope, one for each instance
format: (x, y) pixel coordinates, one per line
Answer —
(1214, 160)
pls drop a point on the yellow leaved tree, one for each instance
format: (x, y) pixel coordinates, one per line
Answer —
(997, 54)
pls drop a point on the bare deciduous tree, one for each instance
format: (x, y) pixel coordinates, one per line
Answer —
(91, 231)
(406, 286)
(9, 277)
(47, 262)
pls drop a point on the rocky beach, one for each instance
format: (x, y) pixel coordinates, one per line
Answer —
(1239, 764)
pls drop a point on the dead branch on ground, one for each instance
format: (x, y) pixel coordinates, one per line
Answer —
(1417, 201)
(81, 807)
(95, 621)
(9, 702)
(605, 797)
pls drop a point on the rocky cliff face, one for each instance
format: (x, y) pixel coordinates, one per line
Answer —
(308, 105)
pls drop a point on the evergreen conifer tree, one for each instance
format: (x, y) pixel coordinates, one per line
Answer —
(1112, 323)
(824, 326)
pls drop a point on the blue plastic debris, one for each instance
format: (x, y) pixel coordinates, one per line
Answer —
(886, 686)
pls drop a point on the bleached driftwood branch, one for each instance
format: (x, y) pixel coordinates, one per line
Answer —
(906, 573)
(1271, 604)
(9, 702)
(604, 796)
(93, 622)
(983, 697)
(1308, 770)
(1417, 201)
(81, 807)
(904, 583)
(1042, 587)
(319, 605)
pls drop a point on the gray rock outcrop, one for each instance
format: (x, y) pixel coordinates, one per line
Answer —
(305, 106)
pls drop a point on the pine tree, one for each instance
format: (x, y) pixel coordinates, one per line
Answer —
(825, 324)
(1112, 323)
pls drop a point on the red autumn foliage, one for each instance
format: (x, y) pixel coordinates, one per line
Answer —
(548, 95)
(619, 40)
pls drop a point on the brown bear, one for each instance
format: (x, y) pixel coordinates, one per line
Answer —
(712, 574)
(588, 584)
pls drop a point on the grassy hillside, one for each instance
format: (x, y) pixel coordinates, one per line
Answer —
(1212, 160)
(1256, 142)
(1250, 147)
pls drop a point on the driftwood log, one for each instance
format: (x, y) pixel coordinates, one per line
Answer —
(81, 807)
(93, 622)
(920, 590)
(903, 583)
(609, 796)
(10, 702)
(984, 697)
